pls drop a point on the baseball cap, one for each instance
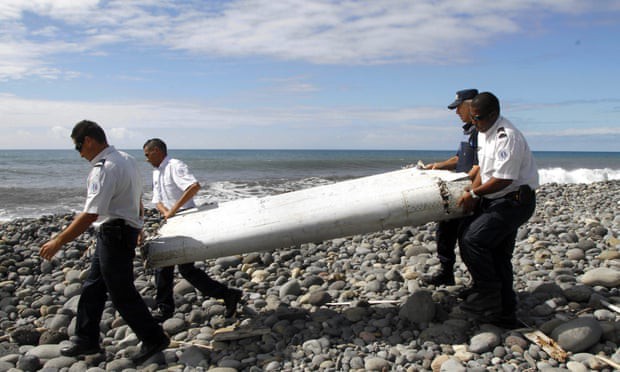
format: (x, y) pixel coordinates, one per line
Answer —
(463, 95)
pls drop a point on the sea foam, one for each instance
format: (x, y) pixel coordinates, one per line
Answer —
(581, 175)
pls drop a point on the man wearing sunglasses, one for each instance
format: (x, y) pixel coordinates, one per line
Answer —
(114, 207)
(464, 160)
(501, 198)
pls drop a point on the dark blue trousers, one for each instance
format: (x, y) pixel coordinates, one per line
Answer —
(111, 272)
(447, 233)
(164, 281)
(487, 240)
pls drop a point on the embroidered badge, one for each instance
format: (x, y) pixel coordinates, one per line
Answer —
(94, 180)
(502, 155)
(93, 188)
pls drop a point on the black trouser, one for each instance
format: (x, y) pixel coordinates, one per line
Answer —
(487, 240)
(111, 272)
(164, 280)
(447, 233)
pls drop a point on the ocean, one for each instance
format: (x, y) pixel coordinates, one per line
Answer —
(39, 182)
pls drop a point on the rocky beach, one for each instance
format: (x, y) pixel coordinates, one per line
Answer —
(350, 304)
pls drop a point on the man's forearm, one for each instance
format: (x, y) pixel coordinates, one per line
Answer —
(491, 186)
(80, 224)
(449, 164)
(188, 194)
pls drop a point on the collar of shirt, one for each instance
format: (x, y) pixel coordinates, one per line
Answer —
(493, 128)
(102, 154)
(468, 128)
(163, 163)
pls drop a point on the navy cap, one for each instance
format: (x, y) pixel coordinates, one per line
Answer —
(463, 95)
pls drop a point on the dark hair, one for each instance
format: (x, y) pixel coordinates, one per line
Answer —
(88, 128)
(486, 103)
(157, 143)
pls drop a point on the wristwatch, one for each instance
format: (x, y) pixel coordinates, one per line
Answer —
(473, 194)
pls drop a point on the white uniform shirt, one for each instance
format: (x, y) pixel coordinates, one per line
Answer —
(114, 188)
(504, 153)
(170, 180)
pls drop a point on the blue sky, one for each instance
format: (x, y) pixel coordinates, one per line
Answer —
(307, 74)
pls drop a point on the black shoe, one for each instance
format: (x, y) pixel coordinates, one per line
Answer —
(444, 276)
(148, 350)
(161, 316)
(465, 293)
(483, 302)
(231, 299)
(80, 348)
(506, 321)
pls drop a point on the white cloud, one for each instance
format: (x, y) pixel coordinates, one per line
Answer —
(21, 58)
(293, 84)
(63, 9)
(321, 31)
(60, 132)
(47, 124)
(578, 132)
(129, 123)
(117, 134)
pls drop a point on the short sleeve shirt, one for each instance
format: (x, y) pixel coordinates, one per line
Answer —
(170, 180)
(504, 153)
(114, 188)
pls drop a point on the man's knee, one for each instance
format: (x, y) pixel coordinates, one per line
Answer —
(471, 243)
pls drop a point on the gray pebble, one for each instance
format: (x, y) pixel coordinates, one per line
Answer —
(578, 334)
(483, 342)
(565, 263)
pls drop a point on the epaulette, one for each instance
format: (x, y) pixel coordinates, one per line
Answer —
(501, 132)
(100, 163)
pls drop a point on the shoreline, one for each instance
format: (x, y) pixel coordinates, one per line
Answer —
(567, 259)
(215, 191)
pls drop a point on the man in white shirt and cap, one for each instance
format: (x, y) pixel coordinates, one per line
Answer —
(174, 188)
(464, 161)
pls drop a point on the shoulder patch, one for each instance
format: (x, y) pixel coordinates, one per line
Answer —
(501, 132)
(502, 155)
(93, 188)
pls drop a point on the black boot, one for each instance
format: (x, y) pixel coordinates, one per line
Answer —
(466, 292)
(444, 275)
(149, 349)
(80, 348)
(231, 299)
(505, 320)
(483, 302)
(161, 315)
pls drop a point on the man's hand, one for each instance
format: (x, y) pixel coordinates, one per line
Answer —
(49, 249)
(468, 203)
(78, 226)
(140, 238)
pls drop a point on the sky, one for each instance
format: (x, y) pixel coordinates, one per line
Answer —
(307, 74)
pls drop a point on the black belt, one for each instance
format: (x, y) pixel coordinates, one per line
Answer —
(524, 191)
(118, 222)
(512, 195)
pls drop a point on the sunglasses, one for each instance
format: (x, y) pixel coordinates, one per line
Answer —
(78, 146)
(480, 117)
